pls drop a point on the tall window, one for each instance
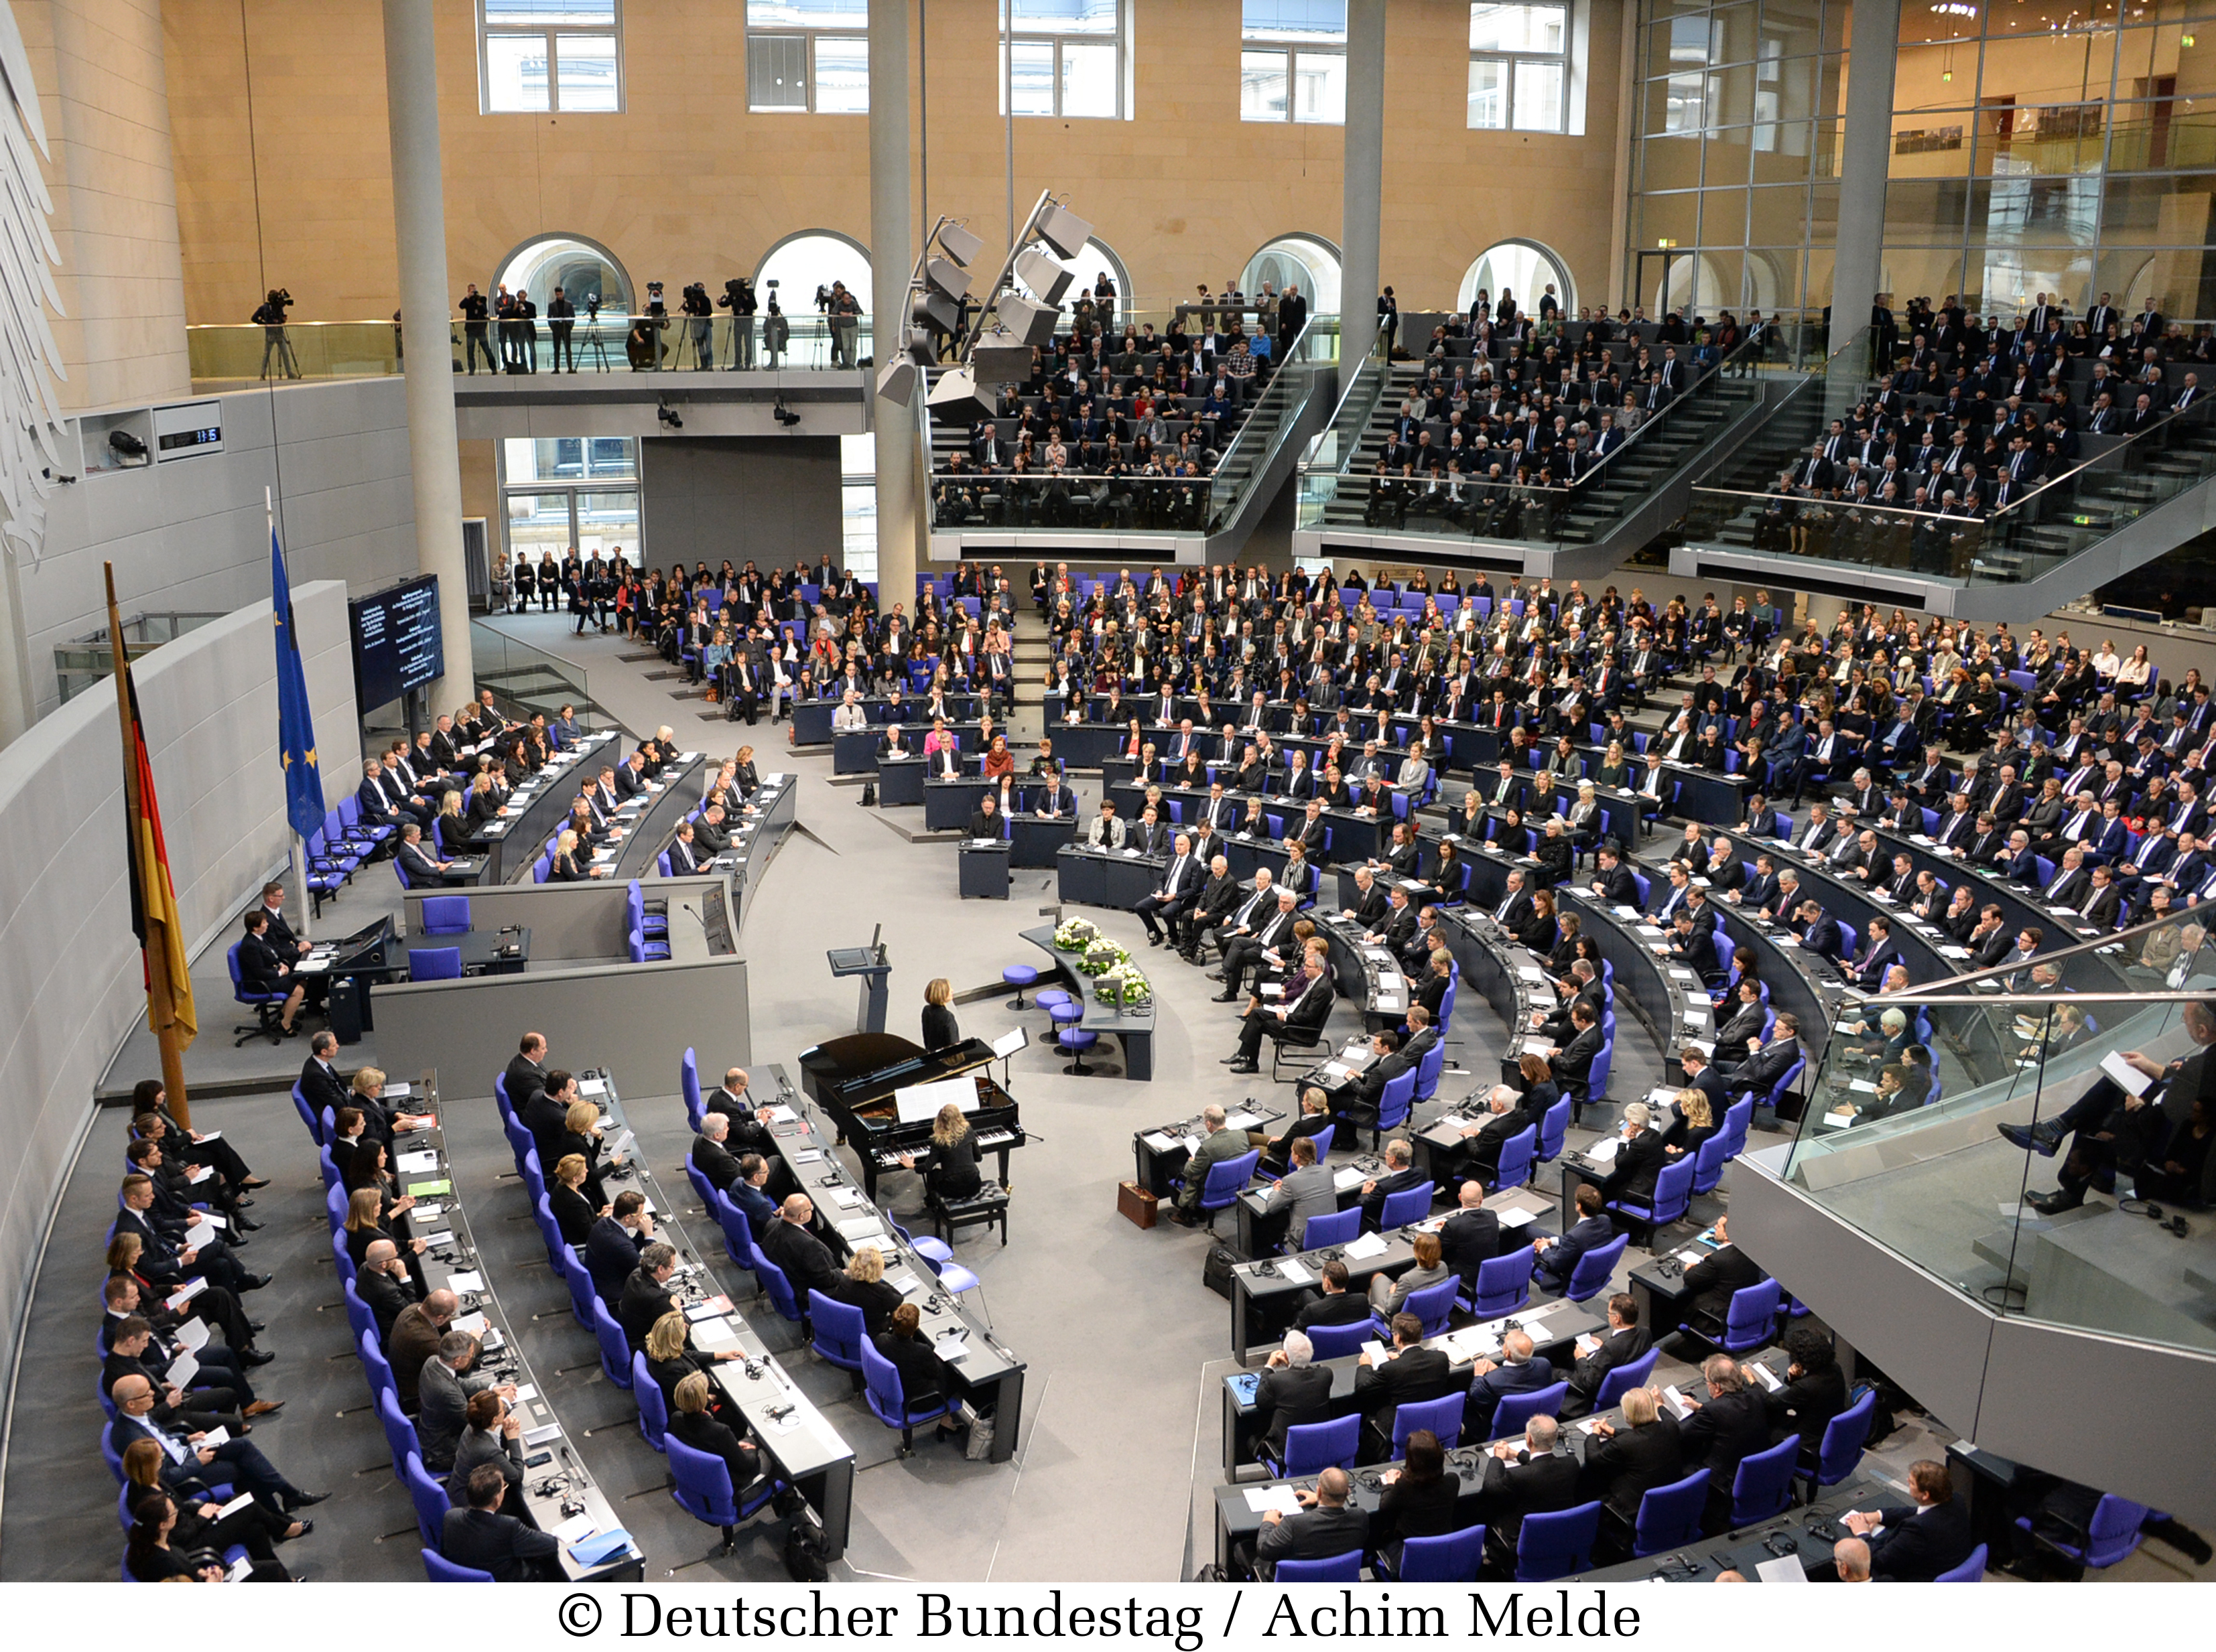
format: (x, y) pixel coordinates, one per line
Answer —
(1519, 67)
(1065, 58)
(808, 55)
(1292, 61)
(550, 56)
(560, 491)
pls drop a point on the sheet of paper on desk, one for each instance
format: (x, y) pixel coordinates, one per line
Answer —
(1367, 1245)
(1590, 1425)
(1294, 1273)
(1835, 1121)
(1474, 1342)
(433, 1239)
(430, 1212)
(809, 1157)
(399, 1092)
(713, 1336)
(1241, 1120)
(1337, 1069)
(1514, 1218)
(1161, 1142)
(416, 1164)
(1785, 1568)
(1603, 1151)
(544, 1434)
(1346, 1177)
(847, 1198)
(782, 1116)
(1531, 971)
(1863, 1085)
(905, 1284)
(714, 1308)
(575, 1531)
(1261, 1500)
(1690, 1256)
(1762, 1374)
(951, 1348)
(1685, 975)
(1537, 1046)
(471, 1280)
(526, 1392)
(2135, 1082)
(592, 1087)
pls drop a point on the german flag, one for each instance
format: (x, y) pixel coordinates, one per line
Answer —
(154, 917)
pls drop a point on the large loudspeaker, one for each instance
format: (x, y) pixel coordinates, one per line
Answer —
(1063, 231)
(1001, 363)
(959, 244)
(955, 396)
(1043, 275)
(1031, 323)
(935, 310)
(896, 381)
(950, 279)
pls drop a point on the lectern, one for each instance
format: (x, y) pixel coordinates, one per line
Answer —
(870, 963)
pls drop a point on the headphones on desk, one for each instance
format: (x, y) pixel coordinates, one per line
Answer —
(2147, 1208)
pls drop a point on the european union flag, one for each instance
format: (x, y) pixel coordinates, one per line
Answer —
(296, 731)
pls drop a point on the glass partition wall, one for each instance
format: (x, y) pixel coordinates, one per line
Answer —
(2029, 1135)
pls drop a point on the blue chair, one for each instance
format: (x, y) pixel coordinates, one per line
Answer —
(1739, 1118)
(738, 1233)
(881, 1387)
(840, 1330)
(1226, 1180)
(1513, 1412)
(1669, 1515)
(704, 1490)
(615, 1347)
(267, 1007)
(1971, 1570)
(399, 1433)
(1840, 1452)
(1335, 1342)
(1502, 1284)
(688, 1081)
(1763, 1484)
(1393, 1106)
(1450, 1559)
(434, 963)
(1409, 1205)
(1673, 1192)
(446, 915)
(1554, 1546)
(1311, 1447)
(1590, 1277)
(1552, 1128)
(652, 926)
(1443, 1416)
(780, 1289)
(1709, 1163)
(653, 1408)
(1632, 1373)
(1332, 1568)
(583, 1291)
(1752, 1317)
(2112, 1533)
(1595, 1087)
(1433, 1305)
(308, 1116)
(1428, 1070)
(430, 1500)
(1517, 1154)
(1338, 1228)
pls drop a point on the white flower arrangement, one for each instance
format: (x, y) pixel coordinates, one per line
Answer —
(1102, 956)
(1124, 987)
(1075, 934)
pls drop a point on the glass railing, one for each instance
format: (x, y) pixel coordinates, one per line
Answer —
(1271, 422)
(528, 680)
(2012, 1164)
(2056, 519)
(238, 356)
(1505, 507)
(89, 661)
(1333, 446)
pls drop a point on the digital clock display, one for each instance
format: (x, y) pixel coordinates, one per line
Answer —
(176, 441)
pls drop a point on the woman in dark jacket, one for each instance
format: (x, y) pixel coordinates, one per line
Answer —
(566, 1198)
(863, 1286)
(1540, 931)
(940, 1030)
(260, 970)
(691, 1424)
(579, 1137)
(1432, 991)
(949, 1166)
(566, 867)
(1421, 1499)
(150, 1558)
(671, 1358)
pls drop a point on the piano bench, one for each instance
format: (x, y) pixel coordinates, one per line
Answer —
(986, 1207)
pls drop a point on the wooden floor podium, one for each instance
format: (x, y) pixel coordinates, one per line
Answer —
(870, 963)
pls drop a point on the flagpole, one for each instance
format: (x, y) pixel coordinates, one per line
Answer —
(294, 864)
(166, 1036)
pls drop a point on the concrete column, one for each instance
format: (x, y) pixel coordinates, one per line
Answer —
(1865, 156)
(419, 225)
(892, 257)
(1359, 284)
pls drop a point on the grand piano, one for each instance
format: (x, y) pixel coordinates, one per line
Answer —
(856, 1080)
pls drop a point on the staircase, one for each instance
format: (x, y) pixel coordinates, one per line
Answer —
(1034, 650)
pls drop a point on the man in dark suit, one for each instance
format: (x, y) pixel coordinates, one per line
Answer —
(1292, 1391)
(321, 1086)
(805, 1260)
(710, 1157)
(1519, 1371)
(1730, 1425)
(385, 1286)
(1558, 1258)
(1913, 1542)
(614, 1246)
(1218, 899)
(1180, 888)
(1623, 1465)
(481, 1537)
(1304, 1008)
(546, 1115)
(187, 1465)
(1409, 1375)
(1572, 1064)
(1526, 1479)
(1614, 881)
(1639, 1158)
(1509, 1115)
(1715, 1280)
(646, 1295)
(1400, 1174)
(526, 1072)
(1624, 1340)
(1334, 1305)
(1327, 1525)
(1471, 1237)
(414, 1341)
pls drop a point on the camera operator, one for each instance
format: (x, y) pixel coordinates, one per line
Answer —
(739, 298)
(702, 324)
(561, 321)
(658, 321)
(776, 332)
(475, 310)
(845, 325)
(271, 318)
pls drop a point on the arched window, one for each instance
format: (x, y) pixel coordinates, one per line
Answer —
(1307, 261)
(1093, 260)
(583, 269)
(1521, 268)
(801, 263)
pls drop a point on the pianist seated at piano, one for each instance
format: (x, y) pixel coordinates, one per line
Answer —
(949, 1164)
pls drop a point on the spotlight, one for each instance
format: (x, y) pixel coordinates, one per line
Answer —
(955, 396)
(1063, 231)
(668, 416)
(959, 244)
(999, 359)
(948, 278)
(784, 414)
(896, 381)
(1043, 275)
(1032, 323)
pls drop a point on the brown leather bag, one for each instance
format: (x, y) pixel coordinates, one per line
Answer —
(1134, 1204)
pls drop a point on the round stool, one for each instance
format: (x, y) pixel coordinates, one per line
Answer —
(1018, 976)
(1076, 1041)
(1051, 996)
(1068, 1013)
